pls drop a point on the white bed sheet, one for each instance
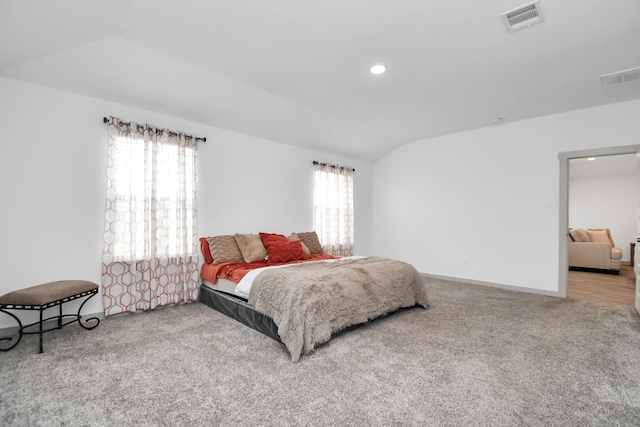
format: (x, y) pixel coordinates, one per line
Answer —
(244, 285)
(224, 285)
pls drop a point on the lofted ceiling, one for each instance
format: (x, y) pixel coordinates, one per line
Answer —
(298, 71)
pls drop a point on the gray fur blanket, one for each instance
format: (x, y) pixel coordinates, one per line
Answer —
(310, 301)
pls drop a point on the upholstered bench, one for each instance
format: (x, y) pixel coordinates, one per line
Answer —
(42, 297)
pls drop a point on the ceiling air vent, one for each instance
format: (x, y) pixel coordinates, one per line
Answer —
(620, 77)
(523, 17)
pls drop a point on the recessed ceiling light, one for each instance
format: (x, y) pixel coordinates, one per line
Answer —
(497, 120)
(591, 159)
(378, 69)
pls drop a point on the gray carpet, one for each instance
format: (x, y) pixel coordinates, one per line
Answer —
(477, 356)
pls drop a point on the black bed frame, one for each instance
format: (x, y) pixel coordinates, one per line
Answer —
(239, 309)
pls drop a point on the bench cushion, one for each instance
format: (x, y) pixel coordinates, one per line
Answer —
(47, 292)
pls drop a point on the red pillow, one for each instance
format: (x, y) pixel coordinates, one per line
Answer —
(268, 238)
(206, 251)
(278, 252)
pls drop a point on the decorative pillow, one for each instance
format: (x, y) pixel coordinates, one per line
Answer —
(224, 249)
(606, 230)
(204, 248)
(251, 247)
(293, 238)
(278, 252)
(600, 235)
(268, 238)
(579, 235)
(310, 239)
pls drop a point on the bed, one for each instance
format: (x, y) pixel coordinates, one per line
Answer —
(290, 290)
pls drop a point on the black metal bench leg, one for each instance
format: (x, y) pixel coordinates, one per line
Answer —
(40, 331)
(60, 317)
(17, 340)
(89, 319)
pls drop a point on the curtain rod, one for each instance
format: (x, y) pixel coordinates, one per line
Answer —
(335, 166)
(203, 139)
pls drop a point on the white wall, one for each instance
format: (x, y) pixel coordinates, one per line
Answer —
(488, 196)
(53, 179)
(247, 184)
(608, 201)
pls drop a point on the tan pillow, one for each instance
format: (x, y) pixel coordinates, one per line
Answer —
(310, 239)
(598, 236)
(603, 235)
(251, 247)
(224, 249)
(579, 235)
(295, 237)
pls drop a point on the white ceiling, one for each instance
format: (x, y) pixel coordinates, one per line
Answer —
(297, 71)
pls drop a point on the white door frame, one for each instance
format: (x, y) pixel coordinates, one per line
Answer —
(563, 209)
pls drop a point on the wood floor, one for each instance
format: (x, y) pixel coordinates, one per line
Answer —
(603, 288)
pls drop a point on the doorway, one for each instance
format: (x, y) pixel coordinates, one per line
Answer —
(603, 194)
(565, 158)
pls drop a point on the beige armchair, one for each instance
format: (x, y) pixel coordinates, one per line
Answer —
(593, 248)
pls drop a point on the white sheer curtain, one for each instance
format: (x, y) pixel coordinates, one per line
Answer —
(333, 208)
(150, 255)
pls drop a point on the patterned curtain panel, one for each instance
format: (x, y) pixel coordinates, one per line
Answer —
(150, 253)
(333, 208)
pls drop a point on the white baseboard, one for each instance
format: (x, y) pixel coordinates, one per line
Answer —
(493, 285)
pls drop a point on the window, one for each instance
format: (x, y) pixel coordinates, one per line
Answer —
(152, 208)
(333, 208)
